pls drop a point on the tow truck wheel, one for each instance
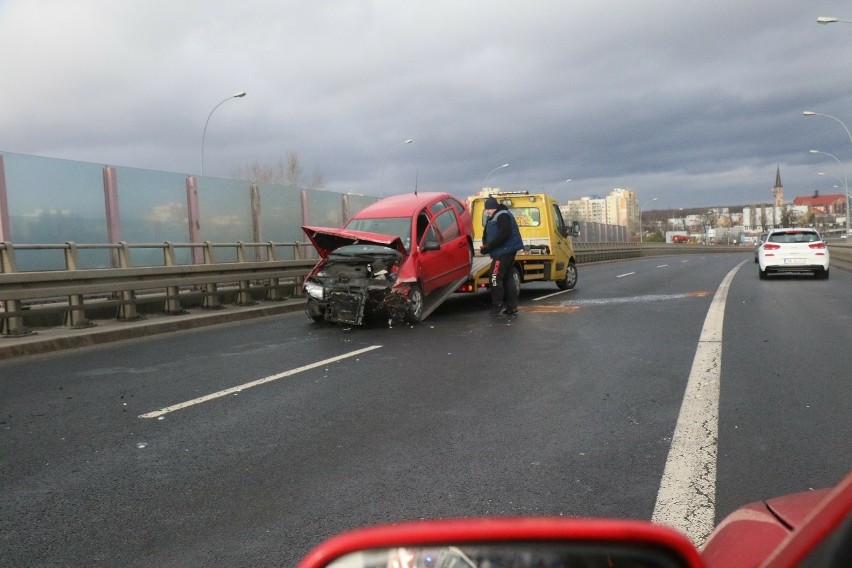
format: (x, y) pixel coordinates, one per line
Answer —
(415, 307)
(570, 279)
(516, 276)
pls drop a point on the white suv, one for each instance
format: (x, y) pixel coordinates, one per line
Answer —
(793, 250)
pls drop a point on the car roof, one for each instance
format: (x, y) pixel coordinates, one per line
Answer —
(402, 205)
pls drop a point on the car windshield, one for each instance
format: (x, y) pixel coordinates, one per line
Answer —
(397, 226)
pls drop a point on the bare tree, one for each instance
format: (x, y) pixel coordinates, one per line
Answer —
(258, 173)
(294, 169)
(317, 180)
(288, 171)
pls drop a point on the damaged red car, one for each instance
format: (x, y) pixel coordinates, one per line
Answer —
(395, 260)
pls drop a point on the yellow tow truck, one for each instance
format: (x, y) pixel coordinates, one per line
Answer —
(548, 254)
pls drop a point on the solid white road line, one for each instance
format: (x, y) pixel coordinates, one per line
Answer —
(553, 294)
(625, 274)
(269, 379)
(687, 496)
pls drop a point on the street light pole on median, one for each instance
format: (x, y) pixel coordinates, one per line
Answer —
(845, 183)
(845, 180)
(831, 20)
(204, 133)
(382, 174)
(640, 216)
(491, 172)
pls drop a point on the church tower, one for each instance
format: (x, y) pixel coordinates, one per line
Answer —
(778, 190)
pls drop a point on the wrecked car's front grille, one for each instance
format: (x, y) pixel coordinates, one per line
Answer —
(346, 308)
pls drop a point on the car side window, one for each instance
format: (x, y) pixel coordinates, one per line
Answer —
(448, 224)
(437, 207)
(431, 236)
(455, 204)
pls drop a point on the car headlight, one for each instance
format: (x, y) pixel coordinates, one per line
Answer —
(314, 290)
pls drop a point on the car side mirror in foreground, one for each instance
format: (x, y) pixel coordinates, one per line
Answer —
(517, 542)
(430, 245)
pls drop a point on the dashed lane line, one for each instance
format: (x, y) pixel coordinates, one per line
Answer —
(686, 500)
(258, 382)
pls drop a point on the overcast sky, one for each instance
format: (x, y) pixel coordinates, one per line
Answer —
(695, 103)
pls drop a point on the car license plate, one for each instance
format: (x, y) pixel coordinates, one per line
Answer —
(794, 261)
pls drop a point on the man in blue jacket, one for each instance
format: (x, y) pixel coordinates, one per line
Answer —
(501, 240)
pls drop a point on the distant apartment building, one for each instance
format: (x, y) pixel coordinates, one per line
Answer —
(762, 217)
(620, 207)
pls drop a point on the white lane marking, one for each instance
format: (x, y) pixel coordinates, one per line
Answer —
(226, 392)
(625, 274)
(662, 265)
(687, 496)
(553, 294)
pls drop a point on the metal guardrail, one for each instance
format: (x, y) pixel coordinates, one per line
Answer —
(599, 252)
(72, 291)
(840, 257)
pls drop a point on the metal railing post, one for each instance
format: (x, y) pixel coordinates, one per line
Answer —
(11, 325)
(211, 296)
(244, 295)
(127, 309)
(274, 291)
(75, 317)
(172, 304)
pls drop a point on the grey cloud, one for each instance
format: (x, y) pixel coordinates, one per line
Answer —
(696, 103)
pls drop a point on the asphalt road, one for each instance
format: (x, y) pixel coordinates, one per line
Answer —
(567, 409)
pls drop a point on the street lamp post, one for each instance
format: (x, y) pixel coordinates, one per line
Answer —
(845, 184)
(204, 134)
(640, 216)
(838, 178)
(491, 172)
(382, 174)
(834, 118)
(831, 20)
(555, 190)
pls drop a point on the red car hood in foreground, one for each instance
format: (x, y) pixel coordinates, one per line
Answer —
(325, 239)
(779, 531)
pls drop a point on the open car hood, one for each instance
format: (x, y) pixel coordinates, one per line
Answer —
(325, 239)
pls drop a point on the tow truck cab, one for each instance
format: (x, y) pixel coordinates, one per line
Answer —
(548, 253)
